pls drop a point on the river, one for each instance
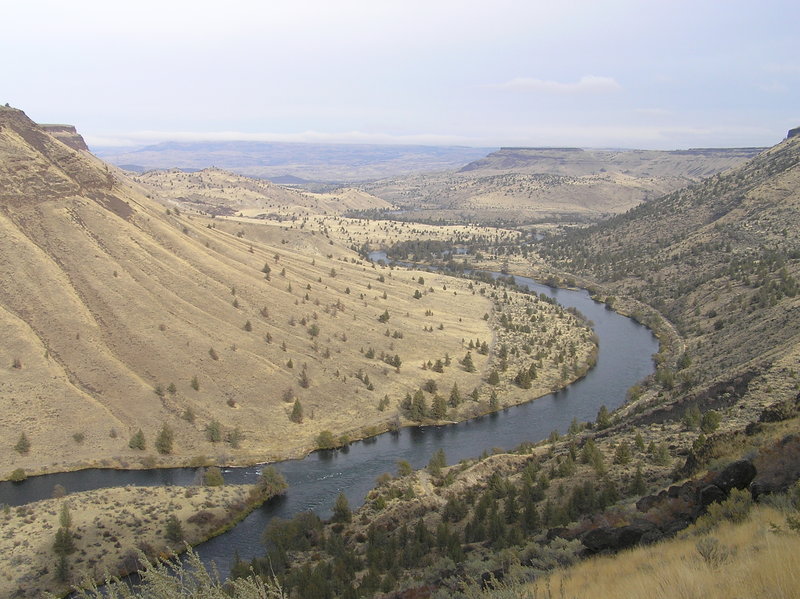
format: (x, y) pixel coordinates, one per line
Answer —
(625, 357)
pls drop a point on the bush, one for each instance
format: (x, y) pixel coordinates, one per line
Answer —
(174, 580)
(213, 477)
(18, 475)
(23, 446)
(326, 440)
(735, 508)
(164, 440)
(137, 441)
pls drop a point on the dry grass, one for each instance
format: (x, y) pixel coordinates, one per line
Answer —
(109, 526)
(112, 306)
(753, 561)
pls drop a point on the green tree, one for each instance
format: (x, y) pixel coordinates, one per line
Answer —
(710, 421)
(404, 468)
(603, 417)
(213, 477)
(270, 483)
(164, 440)
(341, 509)
(638, 486)
(384, 317)
(455, 396)
(326, 440)
(214, 431)
(467, 362)
(235, 437)
(494, 377)
(137, 441)
(174, 530)
(297, 412)
(437, 462)
(622, 455)
(23, 445)
(419, 407)
(438, 407)
(691, 417)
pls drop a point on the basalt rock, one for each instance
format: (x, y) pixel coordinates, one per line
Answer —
(737, 475)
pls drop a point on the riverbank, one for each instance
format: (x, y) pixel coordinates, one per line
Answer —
(109, 528)
(525, 332)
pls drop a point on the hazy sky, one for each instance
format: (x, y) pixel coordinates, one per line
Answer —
(649, 73)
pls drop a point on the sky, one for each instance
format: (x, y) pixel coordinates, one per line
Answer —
(651, 74)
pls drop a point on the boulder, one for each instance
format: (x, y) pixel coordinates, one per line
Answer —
(737, 475)
(600, 539)
(710, 494)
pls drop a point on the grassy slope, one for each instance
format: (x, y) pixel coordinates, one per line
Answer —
(109, 526)
(724, 250)
(107, 298)
(551, 185)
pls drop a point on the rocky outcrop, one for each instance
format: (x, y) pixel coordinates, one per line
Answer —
(793, 132)
(67, 135)
(684, 504)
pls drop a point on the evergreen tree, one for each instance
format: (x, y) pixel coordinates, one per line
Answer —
(438, 408)
(455, 396)
(23, 446)
(622, 455)
(437, 462)
(341, 509)
(297, 412)
(164, 440)
(603, 417)
(638, 486)
(467, 363)
(494, 378)
(137, 440)
(419, 407)
(174, 530)
(214, 431)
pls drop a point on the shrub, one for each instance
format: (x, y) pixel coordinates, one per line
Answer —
(23, 445)
(735, 508)
(164, 440)
(214, 431)
(213, 477)
(326, 440)
(17, 476)
(137, 441)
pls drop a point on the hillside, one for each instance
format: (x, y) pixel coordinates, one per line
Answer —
(714, 430)
(568, 185)
(220, 340)
(576, 162)
(217, 192)
(720, 260)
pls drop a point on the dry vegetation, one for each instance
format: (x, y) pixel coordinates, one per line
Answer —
(120, 314)
(109, 527)
(524, 186)
(758, 559)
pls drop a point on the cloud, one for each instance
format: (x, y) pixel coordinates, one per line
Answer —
(587, 84)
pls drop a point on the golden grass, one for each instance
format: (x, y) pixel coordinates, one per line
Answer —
(109, 525)
(762, 564)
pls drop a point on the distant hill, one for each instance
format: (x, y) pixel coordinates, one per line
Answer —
(575, 162)
(552, 185)
(218, 192)
(315, 162)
